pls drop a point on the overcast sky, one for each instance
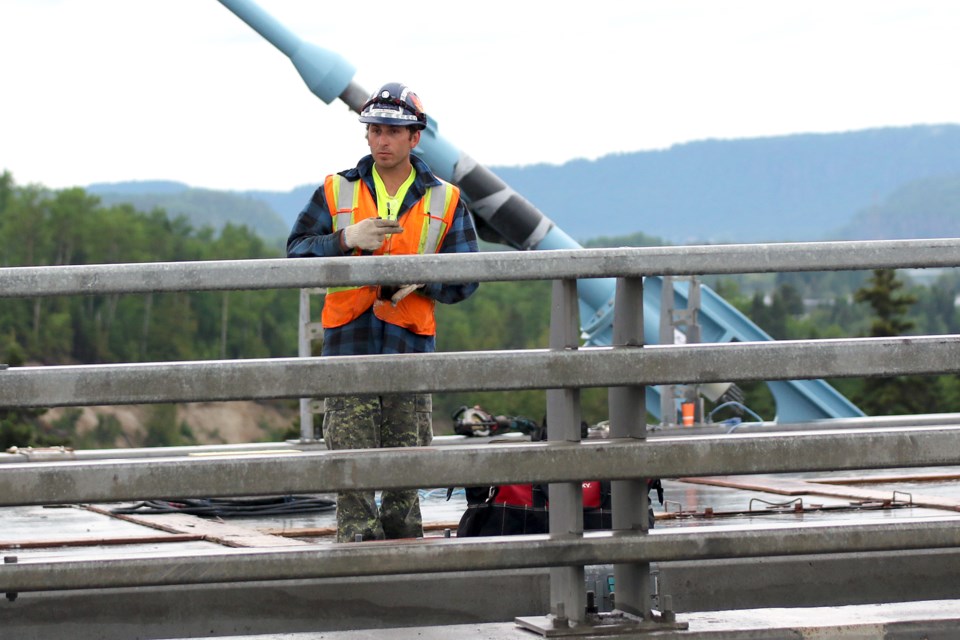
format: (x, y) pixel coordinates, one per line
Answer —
(112, 90)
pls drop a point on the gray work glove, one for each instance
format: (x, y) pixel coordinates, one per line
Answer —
(369, 233)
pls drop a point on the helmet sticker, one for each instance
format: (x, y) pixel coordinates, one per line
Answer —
(415, 99)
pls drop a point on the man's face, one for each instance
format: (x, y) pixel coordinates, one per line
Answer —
(391, 145)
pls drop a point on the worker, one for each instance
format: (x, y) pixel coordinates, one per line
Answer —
(391, 203)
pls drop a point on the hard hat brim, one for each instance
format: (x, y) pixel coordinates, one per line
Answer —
(397, 122)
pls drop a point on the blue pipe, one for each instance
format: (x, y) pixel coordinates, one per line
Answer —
(504, 216)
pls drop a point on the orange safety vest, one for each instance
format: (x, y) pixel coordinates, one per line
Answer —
(424, 228)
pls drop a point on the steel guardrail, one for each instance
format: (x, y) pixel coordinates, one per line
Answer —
(440, 555)
(502, 266)
(474, 465)
(156, 382)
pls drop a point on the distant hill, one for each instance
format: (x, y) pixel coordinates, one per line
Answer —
(287, 204)
(927, 208)
(785, 188)
(789, 188)
(137, 187)
(203, 207)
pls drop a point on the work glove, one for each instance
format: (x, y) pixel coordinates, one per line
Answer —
(369, 233)
(403, 292)
(394, 294)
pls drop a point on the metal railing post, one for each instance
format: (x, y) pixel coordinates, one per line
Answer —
(308, 331)
(668, 396)
(567, 597)
(628, 420)
(304, 351)
(692, 322)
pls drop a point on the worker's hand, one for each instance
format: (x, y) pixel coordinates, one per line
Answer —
(403, 292)
(369, 233)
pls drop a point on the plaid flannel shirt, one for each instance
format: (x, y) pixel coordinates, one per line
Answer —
(313, 236)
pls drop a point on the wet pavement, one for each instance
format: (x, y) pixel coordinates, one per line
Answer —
(62, 530)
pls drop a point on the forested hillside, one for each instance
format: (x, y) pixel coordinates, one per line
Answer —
(41, 227)
(853, 185)
(201, 207)
(46, 227)
(785, 188)
(928, 208)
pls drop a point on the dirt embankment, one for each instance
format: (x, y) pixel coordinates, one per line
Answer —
(210, 422)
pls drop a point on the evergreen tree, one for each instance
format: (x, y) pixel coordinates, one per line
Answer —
(898, 394)
(882, 293)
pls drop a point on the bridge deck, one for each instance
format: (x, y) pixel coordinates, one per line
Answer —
(70, 531)
(715, 501)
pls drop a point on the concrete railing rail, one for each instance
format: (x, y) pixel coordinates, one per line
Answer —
(626, 458)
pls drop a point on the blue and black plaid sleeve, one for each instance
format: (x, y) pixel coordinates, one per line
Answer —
(312, 234)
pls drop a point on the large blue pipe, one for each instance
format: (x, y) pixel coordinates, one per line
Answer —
(504, 216)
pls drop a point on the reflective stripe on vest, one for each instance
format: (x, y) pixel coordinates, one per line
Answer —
(346, 203)
(435, 200)
(436, 203)
(425, 227)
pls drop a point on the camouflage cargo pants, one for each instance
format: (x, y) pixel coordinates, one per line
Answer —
(370, 422)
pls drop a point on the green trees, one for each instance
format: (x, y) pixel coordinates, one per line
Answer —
(500, 315)
(39, 227)
(876, 304)
(43, 227)
(899, 394)
(890, 305)
(21, 427)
